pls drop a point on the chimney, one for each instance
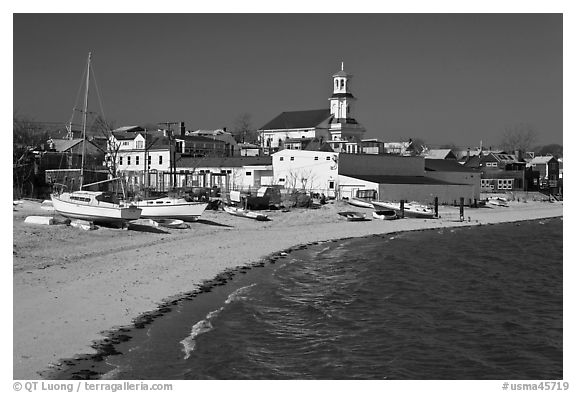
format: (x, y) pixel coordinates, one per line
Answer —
(224, 129)
(468, 154)
(182, 129)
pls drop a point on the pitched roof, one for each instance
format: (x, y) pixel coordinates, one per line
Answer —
(297, 119)
(65, 144)
(541, 160)
(389, 179)
(433, 165)
(440, 154)
(129, 129)
(319, 146)
(124, 135)
(223, 162)
(473, 162)
(199, 138)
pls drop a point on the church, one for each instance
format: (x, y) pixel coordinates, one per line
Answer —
(335, 127)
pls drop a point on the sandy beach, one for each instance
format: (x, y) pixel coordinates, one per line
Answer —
(70, 285)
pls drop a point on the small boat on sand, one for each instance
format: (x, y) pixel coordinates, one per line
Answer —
(384, 214)
(411, 209)
(240, 212)
(353, 216)
(360, 203)
(498, 201)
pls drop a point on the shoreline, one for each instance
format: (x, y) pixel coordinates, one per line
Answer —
(69, 298)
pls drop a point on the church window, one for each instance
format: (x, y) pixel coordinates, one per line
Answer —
(343, 83)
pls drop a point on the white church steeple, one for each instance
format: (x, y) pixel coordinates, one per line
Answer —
(345, 132)
(341, 101)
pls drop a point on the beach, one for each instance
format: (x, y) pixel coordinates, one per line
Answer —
(70, 286)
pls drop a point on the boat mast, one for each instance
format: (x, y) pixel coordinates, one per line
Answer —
(84, 120)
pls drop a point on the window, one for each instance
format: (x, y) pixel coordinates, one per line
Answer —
(120, 160)
(328, 158)
(149, 160)
(139, 144)
(331, 184)
(315, 158)
(125, 143)
(159, 160)
(281, 180)
(248, 173)
(281, 158)
(128, 160)
(505, 184)
(137, 160)
(291, 158)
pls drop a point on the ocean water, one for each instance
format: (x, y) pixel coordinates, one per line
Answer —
(468, 303)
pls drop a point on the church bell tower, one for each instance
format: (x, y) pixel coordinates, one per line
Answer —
(346, 134)
(342, 100)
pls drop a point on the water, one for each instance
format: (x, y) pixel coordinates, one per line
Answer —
(469, 303)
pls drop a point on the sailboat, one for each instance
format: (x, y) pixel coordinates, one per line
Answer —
(95, 206)
(171, 207)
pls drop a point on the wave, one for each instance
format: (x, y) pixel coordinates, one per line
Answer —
(205, 325)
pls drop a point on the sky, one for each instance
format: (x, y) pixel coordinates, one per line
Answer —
(443, 78)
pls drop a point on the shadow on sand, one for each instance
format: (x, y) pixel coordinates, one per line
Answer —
(145, 228)
(213, 223)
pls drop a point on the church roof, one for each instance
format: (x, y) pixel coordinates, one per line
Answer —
(297, 119)
(341, 73)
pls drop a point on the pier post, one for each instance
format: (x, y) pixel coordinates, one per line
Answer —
(461, 209)
(401, 208)
(436, 207)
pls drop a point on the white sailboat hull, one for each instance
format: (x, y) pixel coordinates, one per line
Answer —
(175, 208)
(83, 205)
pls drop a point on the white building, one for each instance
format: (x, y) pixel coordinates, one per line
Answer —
(312, 171)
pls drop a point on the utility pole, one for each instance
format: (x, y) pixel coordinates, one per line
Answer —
(172, 153)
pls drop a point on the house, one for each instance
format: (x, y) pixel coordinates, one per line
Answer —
(335, 125)
(500, 171)
(372, 146)
(231, 147)
(248, 150)
(548, 168)
(405, 149)
(308, 170)
(151, 159)
(226, 173)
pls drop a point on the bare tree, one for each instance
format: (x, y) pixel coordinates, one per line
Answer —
(242, 129)
(518, 137)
